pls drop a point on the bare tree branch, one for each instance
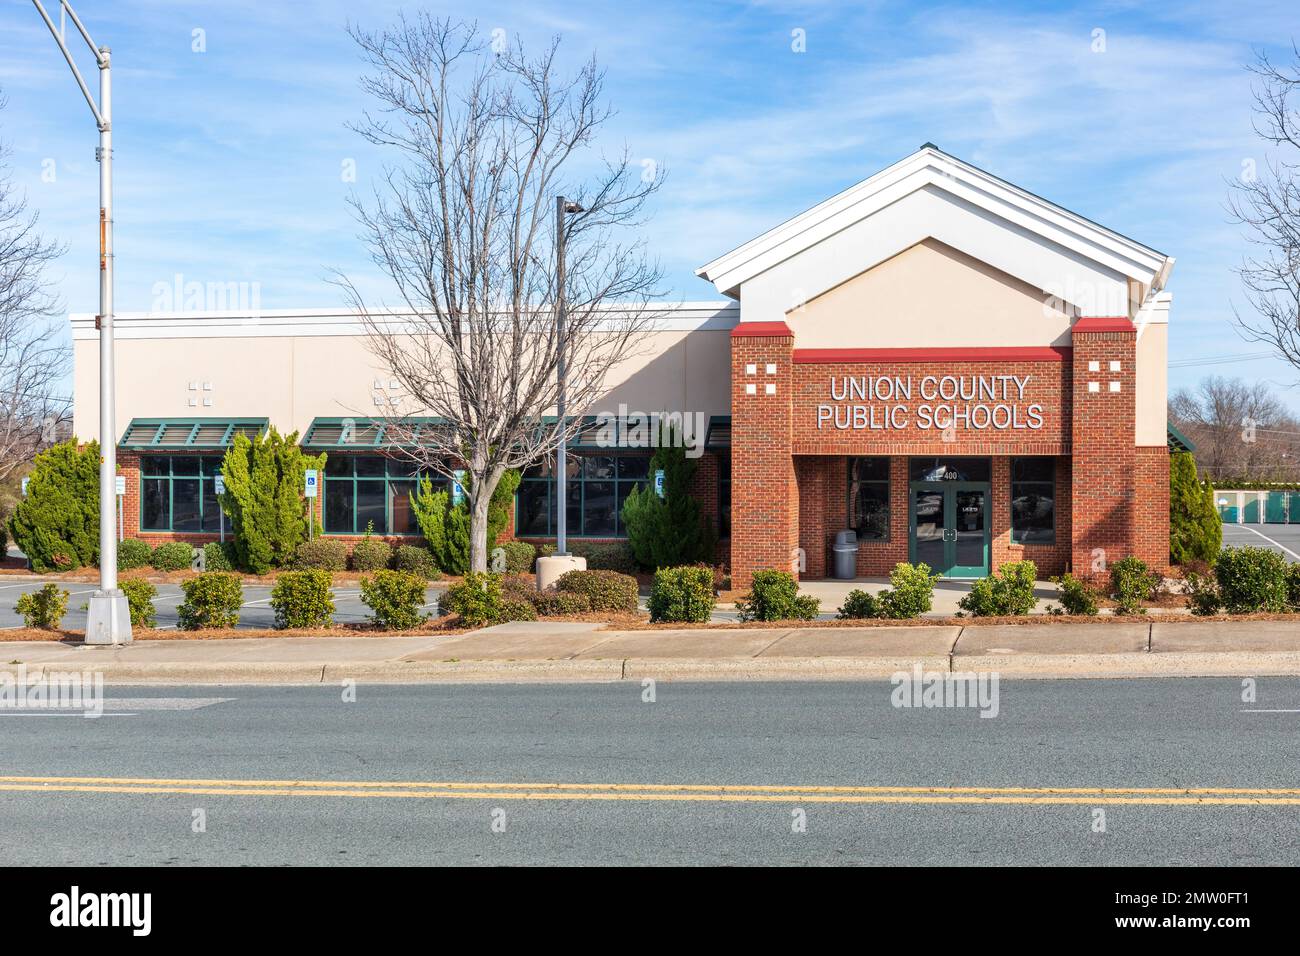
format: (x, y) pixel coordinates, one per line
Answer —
(463, 224)
(34, 405)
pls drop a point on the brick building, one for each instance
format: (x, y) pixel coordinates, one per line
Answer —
(958, 370)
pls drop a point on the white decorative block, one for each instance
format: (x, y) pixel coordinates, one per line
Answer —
(1094, 366)
(379, 399)
(771, 368)
(207, 403)
(207, 386)
(751, 389)
(1094, 386)
(392, 383)
(194, 386)
(1114, 365)
(751, 369)
(770, 388)
(378, 384)
(1114, 386)
(193, 402)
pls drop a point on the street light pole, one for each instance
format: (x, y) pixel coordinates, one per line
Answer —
(108, 620)
(562, 208)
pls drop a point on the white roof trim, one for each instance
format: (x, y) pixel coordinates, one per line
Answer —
(930, 166)
(290, 323)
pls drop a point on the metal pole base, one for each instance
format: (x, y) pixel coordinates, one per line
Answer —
(108, 620)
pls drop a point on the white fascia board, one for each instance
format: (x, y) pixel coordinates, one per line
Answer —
(290, 323)
(929, 167)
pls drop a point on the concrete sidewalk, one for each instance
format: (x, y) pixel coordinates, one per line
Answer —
(566, 651)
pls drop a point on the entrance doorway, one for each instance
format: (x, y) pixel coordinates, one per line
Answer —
(949, 527)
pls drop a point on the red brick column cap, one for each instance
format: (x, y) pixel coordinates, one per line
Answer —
(1116, 323)
(771, 329)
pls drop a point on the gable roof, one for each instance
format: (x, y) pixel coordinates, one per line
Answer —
(930, 167)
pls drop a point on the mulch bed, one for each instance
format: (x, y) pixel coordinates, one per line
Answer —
(445, 626)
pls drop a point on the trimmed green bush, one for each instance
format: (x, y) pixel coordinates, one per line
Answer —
(219, 557)
(1195, 529)
(670, 531)
(1076, 596)
(1131, 583)
(133, 553)
(1293, 587)
(912, 591)
(172, 556)
(607, 590)
(416, 560)
(1203, 595)
(683, 594)
(371, 553)
(57, 524)
(212, 600)
(322, 554)
(139, 601)
(551, 603)
(774, 596)
(263, 498)
(1008, 594)
(477, 599)
(1252, 579)
(395, 599)
(44, 608)
(514, 557)
(858, 605)
(302, 599)
(600, 555)
(516, 609)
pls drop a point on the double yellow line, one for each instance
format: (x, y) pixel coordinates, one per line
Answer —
(701, 793)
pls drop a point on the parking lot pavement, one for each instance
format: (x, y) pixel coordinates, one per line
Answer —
(1282, 538)
(256, 613)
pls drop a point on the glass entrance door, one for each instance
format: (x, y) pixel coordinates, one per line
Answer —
(949, 525)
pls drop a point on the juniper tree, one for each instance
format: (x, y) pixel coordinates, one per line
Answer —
(264, 498)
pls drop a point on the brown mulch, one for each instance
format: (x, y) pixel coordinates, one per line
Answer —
(642, 624)
(440, 627)
(13, 567)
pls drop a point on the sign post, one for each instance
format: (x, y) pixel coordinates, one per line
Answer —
(219, 484)
(121, 497)
(659, 482)
(309, 490)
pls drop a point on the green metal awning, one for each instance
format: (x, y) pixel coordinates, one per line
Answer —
(1177, 440)
(188, 434)
(368, 432)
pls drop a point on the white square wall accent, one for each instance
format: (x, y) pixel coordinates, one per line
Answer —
(1094, 386)
(770, 388)
(771, 368)
(1114, 365)
(751, 389)
(751, 369)
(1094, 366)
(1114, 386)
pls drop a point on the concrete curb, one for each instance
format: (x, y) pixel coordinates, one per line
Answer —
(1020, 666)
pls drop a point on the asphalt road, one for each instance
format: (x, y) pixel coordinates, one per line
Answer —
(1282, 538)
(475, 740)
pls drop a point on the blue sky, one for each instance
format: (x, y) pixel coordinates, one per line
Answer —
(228, 161)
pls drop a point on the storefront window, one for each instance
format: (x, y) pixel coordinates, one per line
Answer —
(724, 496)
(372, 491)
(597, 486)
(178, 493)
(869, 498)
(1033, 500)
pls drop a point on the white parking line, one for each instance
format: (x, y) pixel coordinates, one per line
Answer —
(1275, 544)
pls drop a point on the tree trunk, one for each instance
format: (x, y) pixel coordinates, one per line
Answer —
(478, 529)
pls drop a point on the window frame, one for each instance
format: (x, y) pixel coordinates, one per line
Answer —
(577, 478)
(1015, 483)
(394, 470)
(854, 483)
(207, 490)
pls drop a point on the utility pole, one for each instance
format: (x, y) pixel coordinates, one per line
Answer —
(562, 208)
(108, 621)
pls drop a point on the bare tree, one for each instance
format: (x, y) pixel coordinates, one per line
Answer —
(463, 223)
(1268, 204)
(1241, 430)
(34, 364)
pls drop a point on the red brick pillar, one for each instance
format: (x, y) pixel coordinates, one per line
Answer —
(1103, 443)
(764, 494)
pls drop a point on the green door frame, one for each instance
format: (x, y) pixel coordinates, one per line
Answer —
(950, 489)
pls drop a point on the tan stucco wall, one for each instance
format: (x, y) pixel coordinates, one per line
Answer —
(929, 296)
(292, 380)
(1152, 385)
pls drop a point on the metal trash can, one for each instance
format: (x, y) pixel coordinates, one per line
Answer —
(846, 555)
